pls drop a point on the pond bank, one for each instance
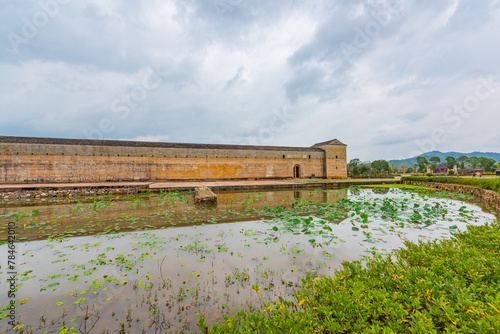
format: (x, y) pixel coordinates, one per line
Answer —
(489, 196)
(9, 192)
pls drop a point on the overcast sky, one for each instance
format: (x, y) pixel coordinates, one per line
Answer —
(391, 79)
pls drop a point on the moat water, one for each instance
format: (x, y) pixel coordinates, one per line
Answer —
(153, 263)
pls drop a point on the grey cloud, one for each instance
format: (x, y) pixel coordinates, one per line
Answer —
(304, 82)
(414, 116)
(407, 88)
(339, 41)
(66, 79)
(471, 14)
(239, 78)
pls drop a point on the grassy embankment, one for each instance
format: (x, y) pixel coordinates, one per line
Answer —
(488, 183)
(396, 185)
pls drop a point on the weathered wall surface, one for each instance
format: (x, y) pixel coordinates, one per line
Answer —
(53, 168)
(24, 160)
(336, 166)
(72, 163)
(170, 152)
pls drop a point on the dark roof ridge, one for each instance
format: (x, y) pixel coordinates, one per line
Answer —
(335, 141)
(126, 143)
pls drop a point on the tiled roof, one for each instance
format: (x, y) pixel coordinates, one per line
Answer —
(329, 142)
(126, 143)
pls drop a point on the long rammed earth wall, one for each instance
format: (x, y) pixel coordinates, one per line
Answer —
(29, 163)
(489, 196)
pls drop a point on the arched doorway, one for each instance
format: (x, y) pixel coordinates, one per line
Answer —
(296, 171)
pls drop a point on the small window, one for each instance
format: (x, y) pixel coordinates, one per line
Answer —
(283, 156)
(336, 157)
(309, 156)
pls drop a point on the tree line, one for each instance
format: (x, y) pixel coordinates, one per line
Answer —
(463, 162)
(378, 166)
(357, 167)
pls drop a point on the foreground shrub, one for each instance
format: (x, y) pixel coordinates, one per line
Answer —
(469, 181)
(418, 178)
(441, 286)
(492, 184)
(445, 179)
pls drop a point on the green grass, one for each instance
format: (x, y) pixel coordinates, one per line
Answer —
(450, 286)
(397, 185)
(491, 184)
(488, 183)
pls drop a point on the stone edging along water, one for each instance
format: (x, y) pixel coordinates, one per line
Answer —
(45, 193)
(42, 192)
(489, 196)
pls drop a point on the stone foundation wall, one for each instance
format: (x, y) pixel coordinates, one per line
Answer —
(13, 197)
(489, 196)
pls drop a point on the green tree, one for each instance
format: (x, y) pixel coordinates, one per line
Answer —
(474, 162)
(380, 165)
(486, 163)
(450, 162)
(422, 164)
(409, 170)
(462, 160)
(364, 169)
(435, 161)
(354, 162)
(355, 170)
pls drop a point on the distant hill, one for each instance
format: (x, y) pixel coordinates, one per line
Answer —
(442, 156)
